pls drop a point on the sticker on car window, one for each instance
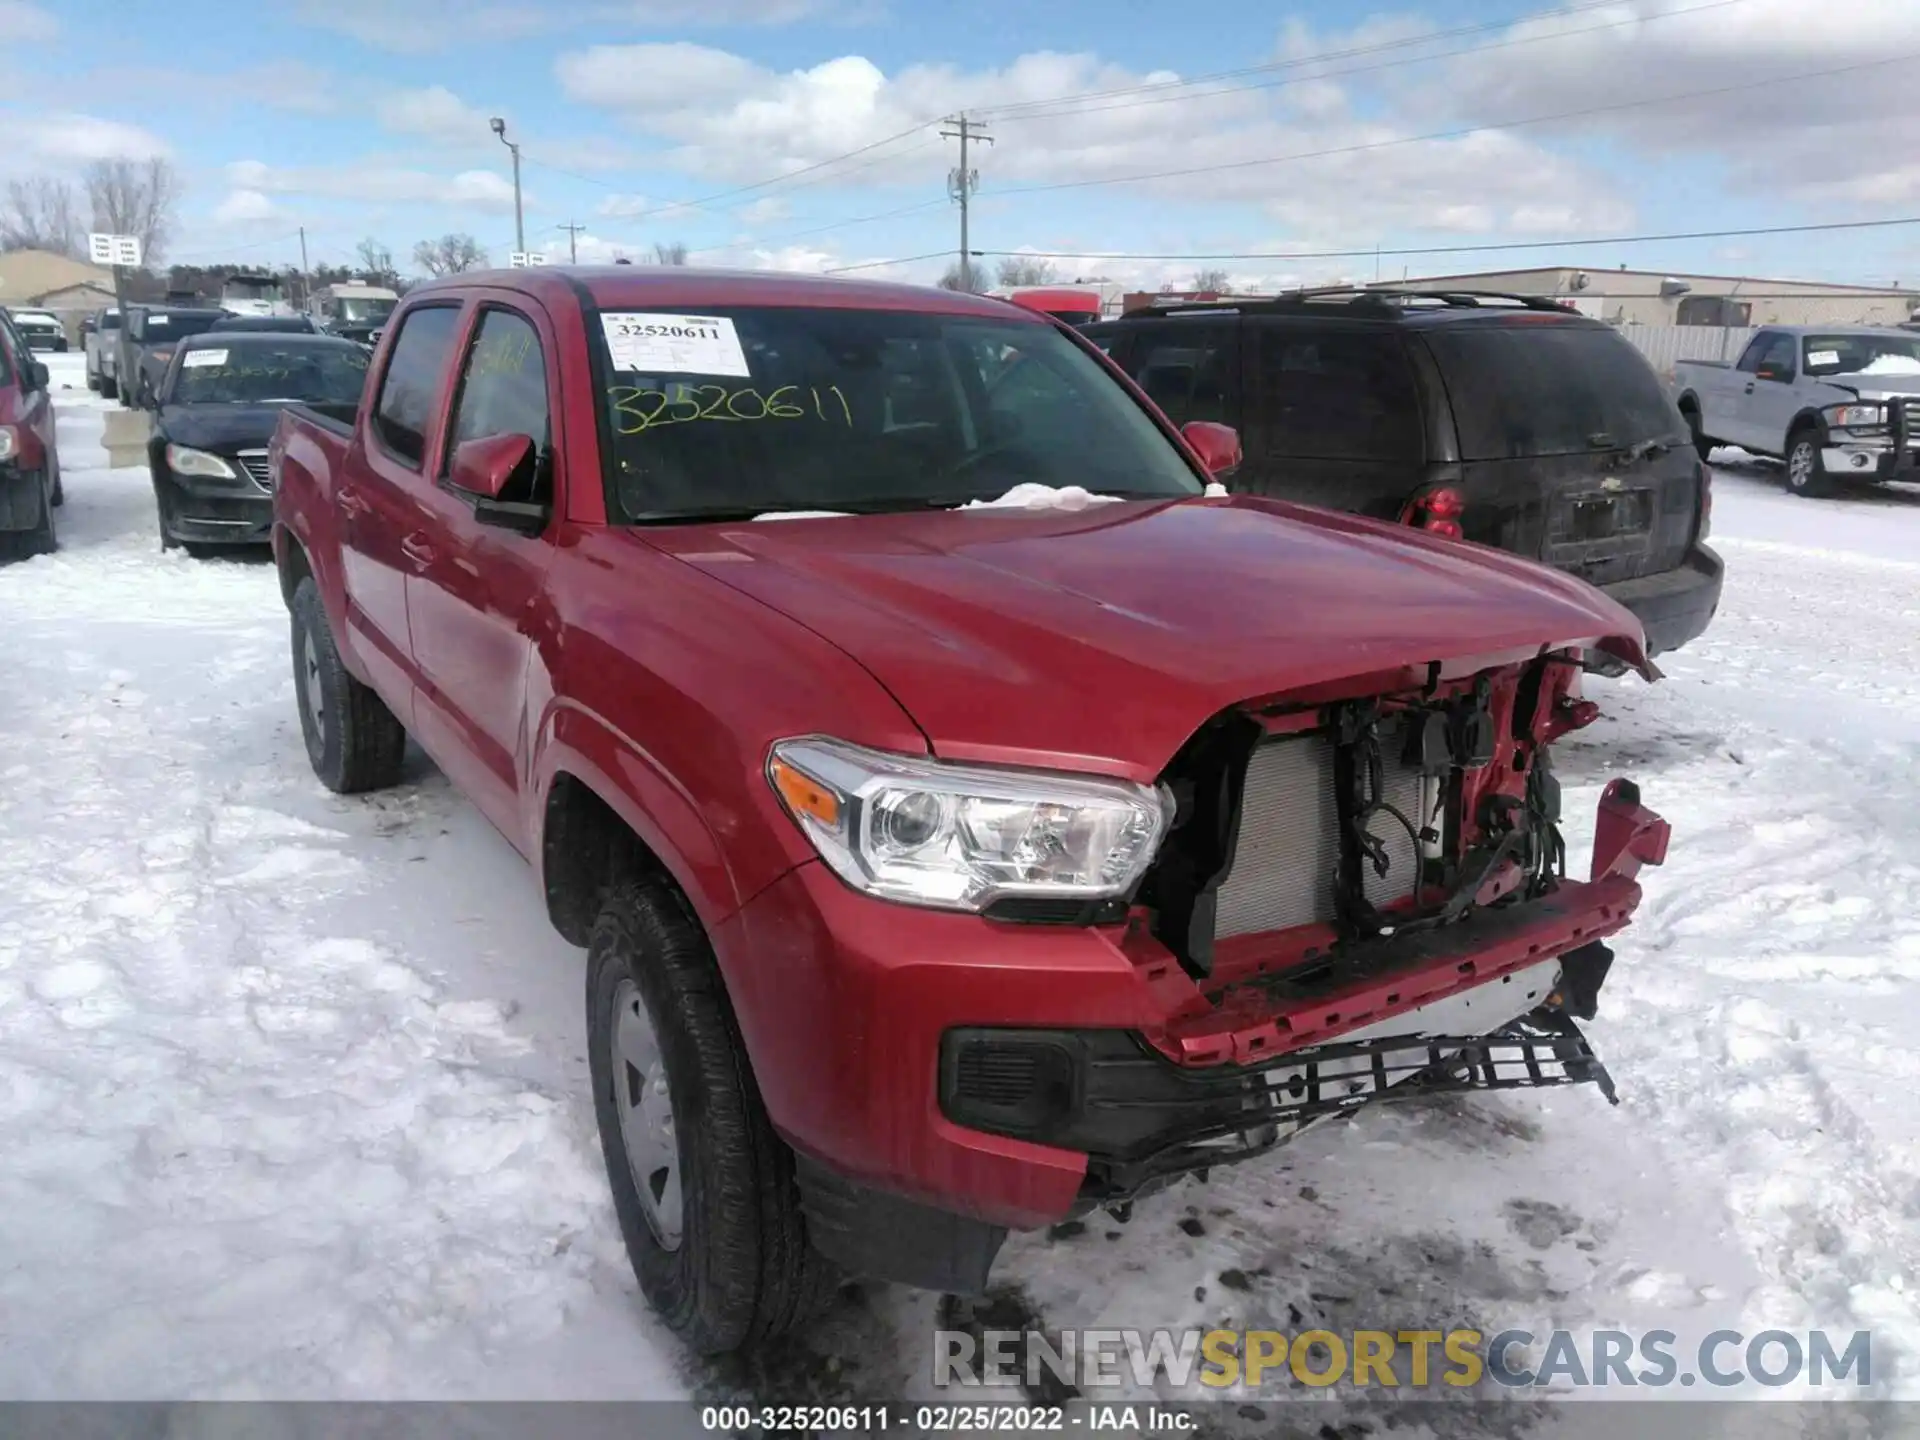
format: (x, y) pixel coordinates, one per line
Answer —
(157, 320)
(1823, 357)
(195, 359)
(655, 344)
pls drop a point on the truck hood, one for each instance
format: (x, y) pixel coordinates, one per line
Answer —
(1869, 386)
(1103, 639)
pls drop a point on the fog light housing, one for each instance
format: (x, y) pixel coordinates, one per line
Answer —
(1012, 1082)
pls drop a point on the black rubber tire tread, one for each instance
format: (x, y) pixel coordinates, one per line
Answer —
(59, 488)
(744, 1270)
(1820, 484)
(1703, 445)
(25, 544)
(364, 745)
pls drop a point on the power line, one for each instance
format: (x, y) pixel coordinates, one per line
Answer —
(1461, 134)
(876, 264)
(1371, 252)
(831, 225)
(1062, 113)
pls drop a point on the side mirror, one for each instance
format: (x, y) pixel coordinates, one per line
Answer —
(40, 375)
(484, 468)
(88, 326)
(1218, 446)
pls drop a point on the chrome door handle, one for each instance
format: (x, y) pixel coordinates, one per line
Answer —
(417, 551)
(349, 501)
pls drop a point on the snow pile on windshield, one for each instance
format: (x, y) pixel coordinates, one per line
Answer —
(1891, 364)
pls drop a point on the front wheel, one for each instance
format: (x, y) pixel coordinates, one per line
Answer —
(703, 1188)
(1702, 446)
(1806, 469)
(354, 742)
(40, 540)
(109, 388)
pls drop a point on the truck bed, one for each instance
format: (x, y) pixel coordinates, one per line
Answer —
(335, 417)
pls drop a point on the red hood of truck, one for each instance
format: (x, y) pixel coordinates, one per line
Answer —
(1104, 639)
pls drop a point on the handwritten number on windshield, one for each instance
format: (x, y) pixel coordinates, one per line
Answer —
(638, 410)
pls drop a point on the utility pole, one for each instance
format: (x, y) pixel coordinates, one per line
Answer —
(306, 276)
(962, 181)
(519, 221)
(573, 241)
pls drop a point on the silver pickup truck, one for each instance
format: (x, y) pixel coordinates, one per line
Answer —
(1834, 402)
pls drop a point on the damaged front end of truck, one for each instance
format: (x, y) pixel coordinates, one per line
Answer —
(1362, 894)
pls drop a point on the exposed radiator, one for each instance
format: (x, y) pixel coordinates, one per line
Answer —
(1288, 856)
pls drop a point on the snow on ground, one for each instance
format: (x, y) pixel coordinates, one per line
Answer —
(292, 1087)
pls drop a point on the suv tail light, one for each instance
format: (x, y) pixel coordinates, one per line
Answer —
(1706, 499)
(1437, 510)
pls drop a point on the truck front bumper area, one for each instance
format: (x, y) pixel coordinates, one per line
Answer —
(207, 510)
(944, 1078)
(1870, 459)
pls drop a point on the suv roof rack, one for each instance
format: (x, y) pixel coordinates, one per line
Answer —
(1388, 301)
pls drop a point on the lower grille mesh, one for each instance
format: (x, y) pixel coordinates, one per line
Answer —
(1287, 859)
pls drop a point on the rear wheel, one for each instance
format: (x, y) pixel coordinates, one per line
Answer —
(1806, 470)
(354, 742)
(93, 380)
(703, 1188)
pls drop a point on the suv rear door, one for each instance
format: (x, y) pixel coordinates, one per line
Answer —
(1549, 412)
(1333, 415)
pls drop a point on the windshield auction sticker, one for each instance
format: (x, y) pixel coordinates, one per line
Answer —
(194, 359)
(655, 344)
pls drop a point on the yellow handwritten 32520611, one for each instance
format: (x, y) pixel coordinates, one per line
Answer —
(638, 410)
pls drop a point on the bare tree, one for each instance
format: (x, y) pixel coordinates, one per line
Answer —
(449, 255)
(376, 260)
(1211, 280)
(955, 279)
(135, 197)
(1025, 270)
(674, 254)
(40, 214)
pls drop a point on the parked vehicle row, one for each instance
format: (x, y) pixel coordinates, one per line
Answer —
(1834, 403)
(956, 853)
(1509, 421)
(40, 329)
(30, 489)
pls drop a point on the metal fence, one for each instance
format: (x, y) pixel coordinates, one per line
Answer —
(1665, 344)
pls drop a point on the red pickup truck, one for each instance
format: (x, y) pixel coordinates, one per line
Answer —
(971, 816)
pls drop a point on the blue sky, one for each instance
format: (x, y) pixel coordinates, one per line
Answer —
(362, 118)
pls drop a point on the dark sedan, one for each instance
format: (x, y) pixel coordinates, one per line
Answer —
(219, 402)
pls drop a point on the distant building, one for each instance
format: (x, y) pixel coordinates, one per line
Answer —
(1655, 297)
(42, 280)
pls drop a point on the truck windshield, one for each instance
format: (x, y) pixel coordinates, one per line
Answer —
(1545, 388)
(237, 288)
(744, 411)
(259, 374)
(1863, 354)
(366, 309)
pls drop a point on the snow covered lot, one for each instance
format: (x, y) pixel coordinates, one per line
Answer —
(292, 1088)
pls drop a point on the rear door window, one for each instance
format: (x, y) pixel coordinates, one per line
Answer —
(1521, 390)
(1333, 396)
(1183, 367)
(411, 386)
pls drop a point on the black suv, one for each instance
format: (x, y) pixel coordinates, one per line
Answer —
(1505, 419)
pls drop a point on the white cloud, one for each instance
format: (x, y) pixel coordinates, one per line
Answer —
(69, 140)
(1346, 173)
(246, 207)
(764, 211)
(377, 182)
(617, 207)
(21, 23)
(419, 26)
(665, 14)
(436, 113)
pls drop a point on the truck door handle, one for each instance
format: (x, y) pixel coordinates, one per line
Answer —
(349, 501)
(417, 551)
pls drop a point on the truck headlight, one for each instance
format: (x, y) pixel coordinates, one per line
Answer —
(959, 837)
(185, 460)
(1857, 417)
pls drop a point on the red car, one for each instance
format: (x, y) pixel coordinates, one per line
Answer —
(29, 462)
(944, 867)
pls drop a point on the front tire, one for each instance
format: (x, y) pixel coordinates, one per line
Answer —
(1806, 469)
(25, 544)
(354, 743)
(109, 389)
(59, 495)
(702, 1186)
(1702, 446)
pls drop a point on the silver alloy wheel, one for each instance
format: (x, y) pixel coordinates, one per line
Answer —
(316, 697)
(646, 1114)
(1800, 465)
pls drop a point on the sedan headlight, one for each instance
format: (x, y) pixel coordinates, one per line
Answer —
(959, 837)
(184, 460)
(1857, 417)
